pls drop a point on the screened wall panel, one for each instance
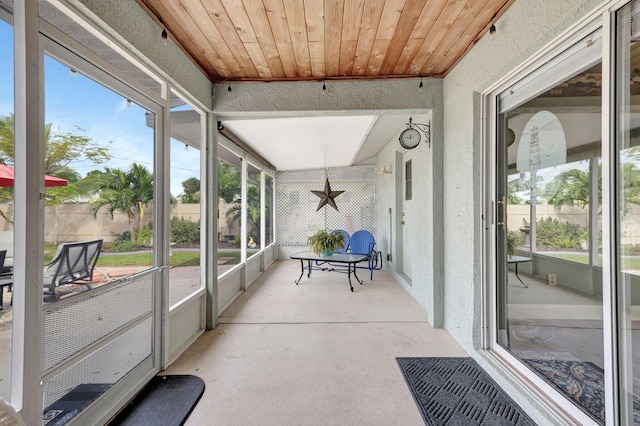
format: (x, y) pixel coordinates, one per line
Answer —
(93, 317)
(101, 369)
(118, 321)
(296, 204)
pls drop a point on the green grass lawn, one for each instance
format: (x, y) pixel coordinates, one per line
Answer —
(627, 262)
(233, 256)
(178, 258)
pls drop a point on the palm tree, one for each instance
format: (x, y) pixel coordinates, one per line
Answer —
(229, 181)
(253, 212)
(571, 188)
(127, 192)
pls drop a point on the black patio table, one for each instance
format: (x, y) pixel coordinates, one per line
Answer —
(327, 263)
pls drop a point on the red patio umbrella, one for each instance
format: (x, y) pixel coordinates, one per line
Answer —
(6, 178)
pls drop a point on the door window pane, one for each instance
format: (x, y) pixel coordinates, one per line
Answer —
(185, 248)
(229, 208)
(101, 145)
(550, 279)
(268, 209)
(253, 210)
(6, 206)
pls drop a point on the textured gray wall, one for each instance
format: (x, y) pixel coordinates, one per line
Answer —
(302, 98)
(427, 283)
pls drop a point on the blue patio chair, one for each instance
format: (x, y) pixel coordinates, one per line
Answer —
(363, 242)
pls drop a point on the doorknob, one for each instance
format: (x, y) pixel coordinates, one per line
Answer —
(402, 223)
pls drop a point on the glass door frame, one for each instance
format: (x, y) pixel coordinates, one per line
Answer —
(126, 388)
(553, 400)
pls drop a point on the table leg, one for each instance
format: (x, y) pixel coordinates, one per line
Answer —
(309, 274)
(302, 272)
(356, 275)
(349, 274)
(518, 276)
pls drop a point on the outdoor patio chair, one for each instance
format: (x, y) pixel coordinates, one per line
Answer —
(6, 243)
(346, 241)
(72, 263)
(5, 280)
(363, 242)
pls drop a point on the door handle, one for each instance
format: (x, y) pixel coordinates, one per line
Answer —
(402, 223)
(503, 202)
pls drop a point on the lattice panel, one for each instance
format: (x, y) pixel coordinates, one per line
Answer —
(104, 367)
(296, 205)
(74, 326)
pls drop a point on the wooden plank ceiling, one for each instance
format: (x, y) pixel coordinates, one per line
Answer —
(297, 40)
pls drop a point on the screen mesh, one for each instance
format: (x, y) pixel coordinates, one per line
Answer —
(74, 326)
(296, 204)
(104, 367)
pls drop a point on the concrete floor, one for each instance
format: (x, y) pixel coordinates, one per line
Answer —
(312, 354)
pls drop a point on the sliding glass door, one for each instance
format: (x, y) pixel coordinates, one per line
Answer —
(549, 304)
(566, 238)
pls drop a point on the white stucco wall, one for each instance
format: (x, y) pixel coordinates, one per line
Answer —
(426, 284)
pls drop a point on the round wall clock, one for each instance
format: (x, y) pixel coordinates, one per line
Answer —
(409, 138)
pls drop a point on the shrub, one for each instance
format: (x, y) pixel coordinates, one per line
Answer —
(184, 231)
(125, 245)
(514, 239)
(144, 236)
(554, 234)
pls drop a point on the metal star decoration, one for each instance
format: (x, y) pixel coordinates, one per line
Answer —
(327, 196)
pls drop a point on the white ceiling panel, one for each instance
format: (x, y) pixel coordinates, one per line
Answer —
(299, 143)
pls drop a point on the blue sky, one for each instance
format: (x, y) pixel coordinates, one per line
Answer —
(79, 102)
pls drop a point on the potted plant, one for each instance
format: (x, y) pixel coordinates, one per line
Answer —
(324, 243)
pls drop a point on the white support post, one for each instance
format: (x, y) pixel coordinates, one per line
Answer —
(243, 207)
(211, 225)
(263, 210)
(27, 342)
(161, 225)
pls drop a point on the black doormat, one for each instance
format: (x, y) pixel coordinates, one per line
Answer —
(457, 391)
(71, 404)
(166, 400)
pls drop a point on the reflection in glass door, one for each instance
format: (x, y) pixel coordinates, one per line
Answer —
(549, 278)
(628, 206)
(6, 205)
